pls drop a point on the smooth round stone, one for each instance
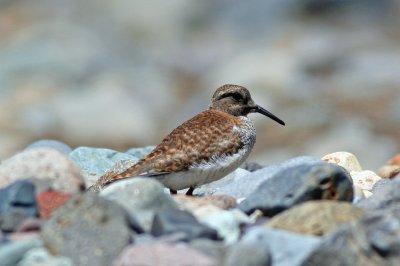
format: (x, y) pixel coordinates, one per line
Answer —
(365, 179)
(162, 254)
(41, 257)
(43, 165)
(344, 159)
(142, 197)
(94, 162)
(89, 230)
(50, 144)
(298, 184)
(316, 217)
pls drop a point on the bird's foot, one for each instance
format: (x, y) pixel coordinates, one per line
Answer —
(189, 192)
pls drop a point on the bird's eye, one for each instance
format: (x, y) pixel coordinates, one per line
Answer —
(237, 96)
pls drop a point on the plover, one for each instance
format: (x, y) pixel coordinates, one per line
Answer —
(203, 149)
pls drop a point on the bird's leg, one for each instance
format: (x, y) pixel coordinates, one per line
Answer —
(190, 191)
(173, 191)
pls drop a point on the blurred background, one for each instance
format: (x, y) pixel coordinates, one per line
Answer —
(122, 74)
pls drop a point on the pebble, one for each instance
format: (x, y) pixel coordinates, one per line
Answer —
(13, 251)
(316, 217)
(241, 183)
(171, 221)
(49, 201)
(51, 144)
(344, 159)
(17, 203)
(286, 248)
(142, 197)
(365, 180)
(88, 229)
(43, 164)
(391, 168)
(94, 162)
(162, 254)
(297, 184)
(374, 240)
(41, 257)
(190, 203)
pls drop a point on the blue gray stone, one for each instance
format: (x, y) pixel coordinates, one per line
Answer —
(172, 221)
(50, 143)
(286, 248)
(142, 197)
(297, 184)
(248, 254)
(139, 153)
(385, 195)
(41, 257)
(17, 203)
(94, 162)
(241, 183)
(12, 252)
(89, 230)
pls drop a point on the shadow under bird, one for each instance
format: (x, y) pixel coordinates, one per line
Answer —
(203, 149)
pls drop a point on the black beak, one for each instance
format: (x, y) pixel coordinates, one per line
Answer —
(259, 109)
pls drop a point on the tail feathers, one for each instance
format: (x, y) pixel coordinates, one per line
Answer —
(120, 171)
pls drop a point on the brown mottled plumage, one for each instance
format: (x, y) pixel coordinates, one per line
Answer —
(204, 148)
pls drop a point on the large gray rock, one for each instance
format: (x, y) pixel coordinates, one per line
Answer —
(374, 240)
(89, 229)
(286, 248)
(142, 197)
(241, 183)
(298, 184)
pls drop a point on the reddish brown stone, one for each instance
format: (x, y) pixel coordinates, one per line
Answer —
(391, 169)
(49, 201)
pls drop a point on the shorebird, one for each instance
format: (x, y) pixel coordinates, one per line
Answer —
(203, 149)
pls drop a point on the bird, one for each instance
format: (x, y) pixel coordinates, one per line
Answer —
(203, 149)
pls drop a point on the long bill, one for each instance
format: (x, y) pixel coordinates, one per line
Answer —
(259, 109)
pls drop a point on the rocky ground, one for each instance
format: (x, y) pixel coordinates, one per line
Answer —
(303, 211)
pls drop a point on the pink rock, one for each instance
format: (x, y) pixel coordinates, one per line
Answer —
(160, 254)
(49, 201)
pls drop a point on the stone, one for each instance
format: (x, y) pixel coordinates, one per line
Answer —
(344, 159)
(171, 221)
(385, 195)
(49, 201)
(162, 254)
(190, 203)
(227, 223)
(214, 249)
(285, 248)
(94, 162)
(299, 184)
(43, 164)
(51, 144)
(316, 217)
(374, 240)
(139, 153)
(12, 252)
(142, 197)
(41, 257)
(17, 203)
(241, 183)
(365, 180)
(391, 168)
(88, 229)
(251, 166)
(248, 254)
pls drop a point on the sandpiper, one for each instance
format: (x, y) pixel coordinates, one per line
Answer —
(203, 149)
